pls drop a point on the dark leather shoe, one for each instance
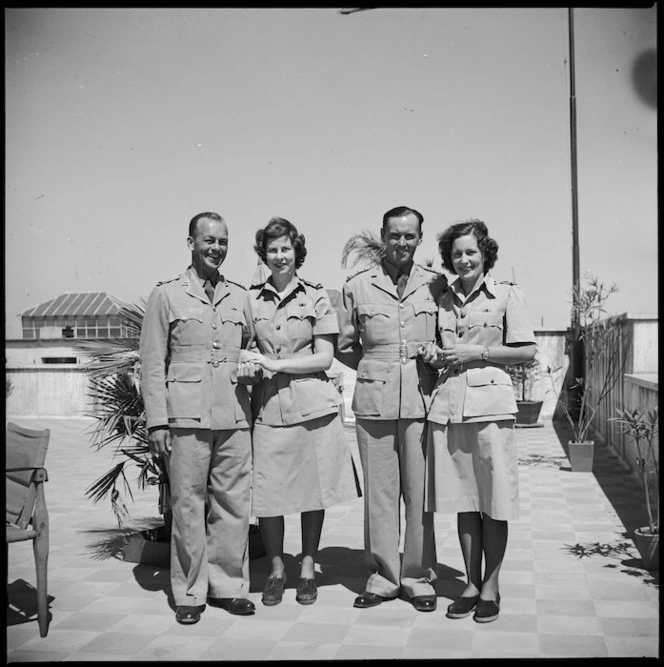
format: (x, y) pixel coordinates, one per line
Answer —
(236, 606)
(487, 610)
(462, 607)
(424, 602)
(366, 600)
(273, 592)
(187, 615)
(306, 591)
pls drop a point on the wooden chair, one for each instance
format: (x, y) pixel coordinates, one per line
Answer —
(26, 513)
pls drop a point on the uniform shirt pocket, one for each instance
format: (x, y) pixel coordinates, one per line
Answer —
(486, 318)
(314, 394)
(368, 399)
(300, 321)
(425, 319)
(375, 322)
(183, 390)
(232, 321)
(489, 392)
(186, 325)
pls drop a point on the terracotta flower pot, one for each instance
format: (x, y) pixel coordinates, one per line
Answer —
(648, 545)
(581, 455)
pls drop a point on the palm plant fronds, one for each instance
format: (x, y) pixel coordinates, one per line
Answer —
(364, 247)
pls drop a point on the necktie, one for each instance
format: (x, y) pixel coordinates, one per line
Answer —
(209, 289)
(402, 281)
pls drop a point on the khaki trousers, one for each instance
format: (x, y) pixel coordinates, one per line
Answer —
(209, 555)
(392, 453)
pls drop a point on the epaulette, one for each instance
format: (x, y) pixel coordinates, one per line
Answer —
(314, 285)
(505, 282)
(357, 273)
(234, 283)
(163, 282)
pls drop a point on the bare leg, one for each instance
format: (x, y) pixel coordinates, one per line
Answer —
(272, 531)
(469, 525)
(494, 542)
(312, 526)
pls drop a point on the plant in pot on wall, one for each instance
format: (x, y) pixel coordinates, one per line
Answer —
(642, 427)
(602, 368)
(524, 379)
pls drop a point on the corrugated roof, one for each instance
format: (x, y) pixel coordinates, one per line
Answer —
(76, 304)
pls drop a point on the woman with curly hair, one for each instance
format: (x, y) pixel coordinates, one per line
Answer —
(302, 462)
(471, 449)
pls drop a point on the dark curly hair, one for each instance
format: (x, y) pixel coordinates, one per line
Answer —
(280, 227)
(486, 244)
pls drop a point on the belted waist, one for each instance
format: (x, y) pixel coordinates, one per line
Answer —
(226, 354)
(304, 352)
(393, 351)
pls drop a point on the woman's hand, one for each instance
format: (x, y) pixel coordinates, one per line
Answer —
(431, 354)
(270, 365)
(461, 354)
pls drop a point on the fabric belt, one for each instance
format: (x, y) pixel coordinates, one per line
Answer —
(213, 356)
(393, 351)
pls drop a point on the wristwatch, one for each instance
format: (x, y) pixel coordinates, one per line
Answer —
(485, 354)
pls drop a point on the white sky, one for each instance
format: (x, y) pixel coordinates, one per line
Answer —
(121, 124)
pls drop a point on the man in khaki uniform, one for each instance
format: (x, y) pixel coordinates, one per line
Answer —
(198, 418)
(387, 313)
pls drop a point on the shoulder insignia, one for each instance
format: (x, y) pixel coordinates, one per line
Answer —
(357, 273)
(314, 285)
(163, 282)
(505, 282)
(234, 283)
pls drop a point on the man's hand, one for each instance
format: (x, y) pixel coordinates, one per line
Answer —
(431, 354)
(159, 440)
(461, 354)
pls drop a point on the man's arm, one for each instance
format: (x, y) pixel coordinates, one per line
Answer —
(153, 352)
(349, 349)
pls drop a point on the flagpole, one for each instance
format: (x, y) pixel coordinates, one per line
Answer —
(576, 278)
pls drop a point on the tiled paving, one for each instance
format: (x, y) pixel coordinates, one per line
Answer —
(554, 604)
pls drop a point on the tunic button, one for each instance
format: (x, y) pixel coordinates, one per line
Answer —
(214, 326)
(215, 346)
(364, 374)
(403, 324)
(215, 363)
(460, 334)
(278, 349)
(214, 309)
(462, 314)
(401, 305)
(492, 381)
(278, 326)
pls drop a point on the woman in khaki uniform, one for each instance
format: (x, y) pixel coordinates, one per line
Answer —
(471, 449)
(302, 462)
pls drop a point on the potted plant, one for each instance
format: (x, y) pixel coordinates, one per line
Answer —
(524, 378)
(114, 374)
(602, 368)
(642, 427)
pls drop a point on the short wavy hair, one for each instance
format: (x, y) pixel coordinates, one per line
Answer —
(274, 229)
(486, 244)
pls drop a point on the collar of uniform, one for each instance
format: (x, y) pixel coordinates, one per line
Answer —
(394, 271)
(295, 286)
(489, 285)
(194, 277)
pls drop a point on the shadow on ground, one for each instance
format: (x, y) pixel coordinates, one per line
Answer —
(22, 603)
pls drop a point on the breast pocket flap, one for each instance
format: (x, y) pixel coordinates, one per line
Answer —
(372, 371)
(480, 377)
(184, 373)
(184, 314)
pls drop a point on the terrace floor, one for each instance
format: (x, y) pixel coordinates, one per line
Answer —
(555, 604)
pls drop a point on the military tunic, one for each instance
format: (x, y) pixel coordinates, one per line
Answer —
(302, 461)
(380, 334)
(472, 457)
(189, 350)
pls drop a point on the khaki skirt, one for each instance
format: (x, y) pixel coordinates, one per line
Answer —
(302, 467)
(472, 467)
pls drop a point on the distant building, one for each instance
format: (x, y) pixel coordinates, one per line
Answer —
(75, 315)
